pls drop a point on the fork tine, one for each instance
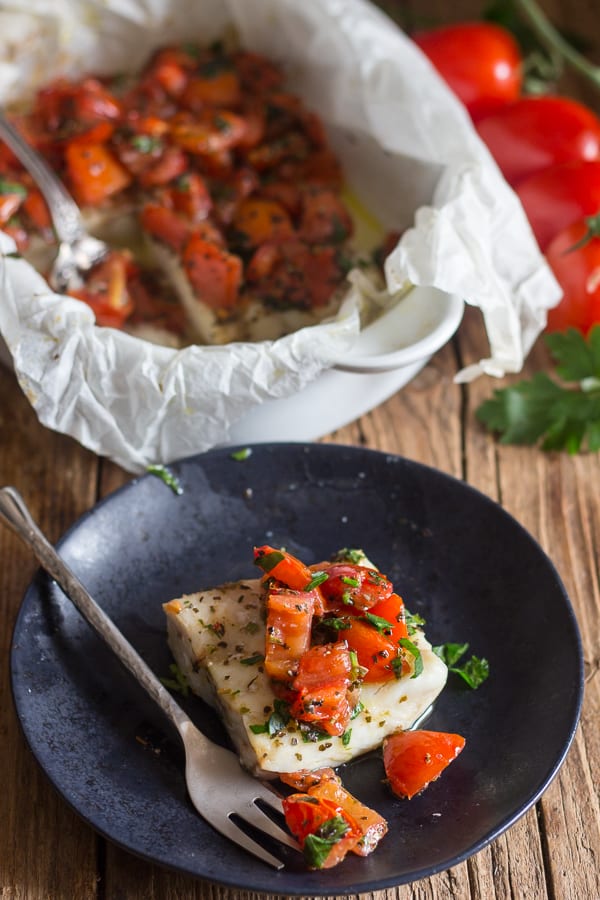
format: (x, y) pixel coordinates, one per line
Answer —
(230, 830)
(255, 816)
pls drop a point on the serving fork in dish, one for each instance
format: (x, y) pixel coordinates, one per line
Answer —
(217, 785)
(78, 251)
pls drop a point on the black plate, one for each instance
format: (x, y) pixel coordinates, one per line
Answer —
(457, 558)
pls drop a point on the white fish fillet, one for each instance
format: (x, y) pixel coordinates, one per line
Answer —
(217, 638)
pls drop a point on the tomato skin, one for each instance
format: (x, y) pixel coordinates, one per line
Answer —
(353, 587)
(306, 815)
(558, 196)
(534, 133)
(578, 273)
(322, 688)
(481, 63)
(413, 759)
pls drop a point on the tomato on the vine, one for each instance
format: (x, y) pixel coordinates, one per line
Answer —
(574, 256)
(481, 62)
(558, 196)
(534, 133)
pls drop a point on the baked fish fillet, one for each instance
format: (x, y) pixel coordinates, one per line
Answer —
(217, 638)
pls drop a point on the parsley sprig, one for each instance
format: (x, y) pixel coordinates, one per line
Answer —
(560, 416)
(473, 672)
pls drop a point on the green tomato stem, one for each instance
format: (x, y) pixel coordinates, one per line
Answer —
(550, 36)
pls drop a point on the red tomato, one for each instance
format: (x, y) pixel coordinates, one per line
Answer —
(322, 688)
(289, 620)
(413, 759)
(307, 816)
(577, 270)
(354, 587)
(479, 61)
(559, 196)
(534, 133)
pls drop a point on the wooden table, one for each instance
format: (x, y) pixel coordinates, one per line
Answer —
(554, 850)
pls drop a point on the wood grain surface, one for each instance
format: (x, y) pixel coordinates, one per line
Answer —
(553, 852)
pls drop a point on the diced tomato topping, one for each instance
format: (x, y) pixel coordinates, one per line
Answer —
(324, 217)
(289, 621)
(304, 779)
(215, 274)
(373, 827)
(94, 173)
(166, 225)
(210, 132)
(171, 164)
(217, 85)
(322, 688)
(258, 221)
(37, 210)
(413, 759)
(10, 201)
(106, 291)
(377, 652)
(335, 830)
(349, 587)
(191, 197)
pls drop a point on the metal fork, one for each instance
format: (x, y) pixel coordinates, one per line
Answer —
(218, 786)
(78, 251)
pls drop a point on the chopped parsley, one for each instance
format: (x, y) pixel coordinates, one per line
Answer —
(317, 846)
(473, 672)
(178, 682)
(252, 660)
(317, 579)
(165, 475)
(242, 454)
(414, 651)
(276, 722)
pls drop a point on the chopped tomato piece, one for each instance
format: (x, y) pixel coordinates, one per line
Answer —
(171, 164)
(217, 85)
(304, 779)
(354, 587)
(166, 225)
(283, 566)
(262, 262)
(37, 210)
(324, 830)
(391, 609)
(323, 688)
(94, 172)
(210, 132)
(377, 652)
(11, 199)
(289, 621)
(413, 759)
(324, 218)
(191, 197)
(105, 290)
(215, 274)
(257, 74)
(258, 221)
(373, 827)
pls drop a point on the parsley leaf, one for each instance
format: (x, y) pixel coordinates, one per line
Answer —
(542, 410)
(165, 475)
(317, 845)
(473, 672)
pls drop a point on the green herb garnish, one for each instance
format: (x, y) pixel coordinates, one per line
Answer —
(473, 672)
(317, 579)
(276, 722)
(252, 660)
(317, 846)
(241, 455)
(413, 621)
(268, 561)
(178, 682)
(382, 625)
(414, 651)
(541, 410)
(165, 475)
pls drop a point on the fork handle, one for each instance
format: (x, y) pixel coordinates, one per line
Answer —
(14, 512)
(65, 214)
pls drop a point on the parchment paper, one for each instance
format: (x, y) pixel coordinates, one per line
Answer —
(411, 156)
